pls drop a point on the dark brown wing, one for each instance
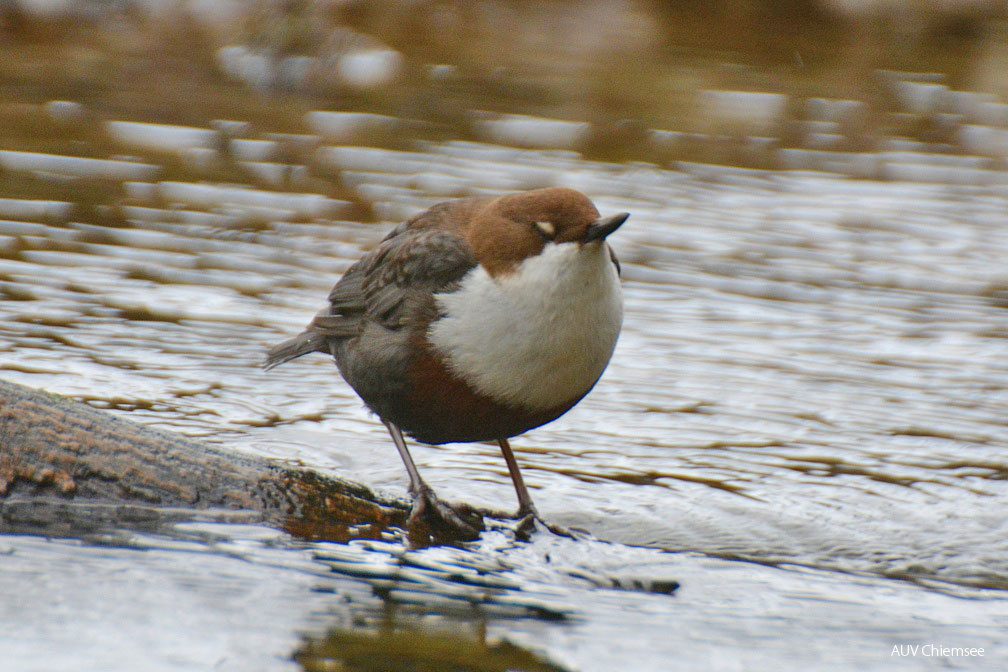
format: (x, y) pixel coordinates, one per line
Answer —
(411, 266)
(389, 286)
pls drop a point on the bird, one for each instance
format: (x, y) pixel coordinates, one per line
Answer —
(475, 321)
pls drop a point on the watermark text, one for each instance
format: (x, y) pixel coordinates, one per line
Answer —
(935, 651)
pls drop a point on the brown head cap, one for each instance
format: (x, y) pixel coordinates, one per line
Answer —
(512, 228)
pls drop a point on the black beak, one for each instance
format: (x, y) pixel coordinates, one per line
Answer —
(603, 227)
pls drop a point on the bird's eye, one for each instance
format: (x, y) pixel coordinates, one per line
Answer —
(546, 228)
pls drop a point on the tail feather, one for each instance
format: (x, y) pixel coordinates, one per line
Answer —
(302, 344)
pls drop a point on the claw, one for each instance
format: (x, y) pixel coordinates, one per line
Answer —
(527, 524)
(457, 522)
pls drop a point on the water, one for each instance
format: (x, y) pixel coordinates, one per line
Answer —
(803, 422)
(241, 597)
(806, 405)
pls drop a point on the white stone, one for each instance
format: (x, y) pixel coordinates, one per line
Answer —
(161, 137)
(919, 97)
(254, 150)
(345, 126)
(369, 68)
(749, 108)
(46, 211)
(528, 131)
(985, 140)
(75, 166)
(279, 203)
(65, 111)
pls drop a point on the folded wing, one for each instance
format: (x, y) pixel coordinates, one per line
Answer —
(392, 286)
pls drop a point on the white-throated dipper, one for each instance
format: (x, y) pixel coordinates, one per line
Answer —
(476, 320)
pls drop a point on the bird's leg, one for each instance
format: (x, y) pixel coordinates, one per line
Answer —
(527, 512)
(525, 504)
(424, 499)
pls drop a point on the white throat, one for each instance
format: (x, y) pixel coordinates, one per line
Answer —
(539, 336)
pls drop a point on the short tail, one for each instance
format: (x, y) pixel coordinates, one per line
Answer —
(302, 344)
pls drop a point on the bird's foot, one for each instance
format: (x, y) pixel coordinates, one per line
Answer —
(459, 522)
(527, 520)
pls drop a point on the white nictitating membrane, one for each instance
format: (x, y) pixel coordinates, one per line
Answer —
(536, 337)
(547, 228)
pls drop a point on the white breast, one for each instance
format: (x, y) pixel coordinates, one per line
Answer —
(537, 337)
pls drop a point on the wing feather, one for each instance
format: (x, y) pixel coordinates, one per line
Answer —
(392, 285)
(389, 283)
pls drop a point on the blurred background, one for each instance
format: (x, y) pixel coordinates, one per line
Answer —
(772, 83)
(803, 423)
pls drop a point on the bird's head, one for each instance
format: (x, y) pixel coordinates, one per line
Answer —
(513, 228)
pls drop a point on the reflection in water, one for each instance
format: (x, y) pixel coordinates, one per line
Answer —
(416, 648)
(811, 374)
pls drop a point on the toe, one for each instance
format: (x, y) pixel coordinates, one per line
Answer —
(444, 519)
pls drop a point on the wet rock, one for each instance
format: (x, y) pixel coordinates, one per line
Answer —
(254, 150)
(161, 137)
(75, 166)
(66, 112)
(349, 126)
(529, 131)
(369, 68)
(753, 111)
(46, 211)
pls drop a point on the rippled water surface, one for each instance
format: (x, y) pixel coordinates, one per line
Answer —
(804, 422)
(811, 377)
